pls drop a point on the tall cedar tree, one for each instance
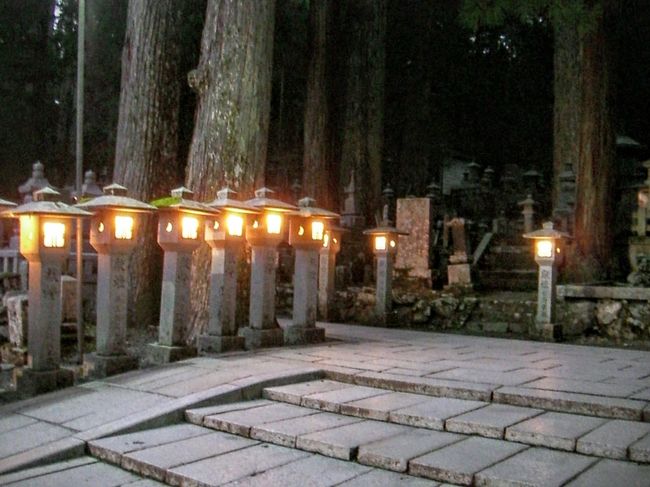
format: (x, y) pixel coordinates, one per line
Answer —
(147, 133)
(233, 84)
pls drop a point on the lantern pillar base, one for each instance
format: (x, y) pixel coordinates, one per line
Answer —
(107, 365)
(33, 382)
(549, 332)
(163, 354)
(256, 338)
(302, 335)
(219, 344)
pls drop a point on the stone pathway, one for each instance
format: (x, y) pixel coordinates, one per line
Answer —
(367, 407)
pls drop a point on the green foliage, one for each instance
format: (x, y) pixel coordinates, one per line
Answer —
(166, 202)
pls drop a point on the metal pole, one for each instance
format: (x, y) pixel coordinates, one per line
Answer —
(81, 35)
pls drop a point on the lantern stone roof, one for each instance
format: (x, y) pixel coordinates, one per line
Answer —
(6, 204)
(182, 199)
(547, 231)
(307, 209)
(226, 200)
(528, 201)
(262, 201)
(45, 202)
(114, 198)
(35, 182)
(384, 229)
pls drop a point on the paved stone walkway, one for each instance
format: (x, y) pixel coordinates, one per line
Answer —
(443, 407)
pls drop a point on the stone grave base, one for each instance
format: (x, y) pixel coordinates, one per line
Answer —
(163, 354)
(271, 337)
(550, 332)
(33, 382)
(107, 365)
(300, 335)
(219, 344)
(459, 275)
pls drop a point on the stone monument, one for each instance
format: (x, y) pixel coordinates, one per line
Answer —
(458, 270)
(350, 216)
(34, 183)
(639, 243)
(415, 218)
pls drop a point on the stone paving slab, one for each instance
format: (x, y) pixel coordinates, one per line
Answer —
(285, 432)
(344, 441)
(608, 473)
(584, 387)
(315, 470)
(640, 451)
(111, 449)
(213, 379)
(14, 421)
(379, 407)
(553, 430)
(233, 466)
(394, 453)
(383, 478)
(433, 412)
(538, 467)
(293, 393)
(459, 462)
(511, 378)
(606, 407)
(197, 415)
(490, 421)
(44, 470)
(241, 422)
(332, 400)
(154, 462)
(643, 395)
(612, 439)
(30, 436)
(485, 364)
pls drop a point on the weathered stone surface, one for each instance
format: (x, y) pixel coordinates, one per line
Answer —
(379, 407)
(607, 473)
(394, 453)
(68, 299)
(17, 320)
(293, 393)
(584, 387)
(434, 412)
(612, 439)
(413, 215)
(640, 451)
(553, 430)
(332, 400)
(510, 378)
(343, 442)
(196, 416)
(14, 421)
(285, 432)
(383, 478)
(240, 422)
(490, 421)
(30, 436)
(459, 462)
(96, 474)
(535, 466)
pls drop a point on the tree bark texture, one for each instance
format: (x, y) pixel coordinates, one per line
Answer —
(229, 144)
(147, 134)
(595, 169)
(363, 118)
(320, 170)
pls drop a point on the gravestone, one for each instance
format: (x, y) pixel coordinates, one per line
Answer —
(34, 183)
(350, 216)
(414, 216)
(458, 270)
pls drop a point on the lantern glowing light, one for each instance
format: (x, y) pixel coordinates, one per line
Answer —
(235, 225)
(544, 248)
(27, 226)
(53, 234)
(317, 230)
(273, 223)
(380, 242)
(326, 240)
(100, 227)
(123, 227)
(190, 227)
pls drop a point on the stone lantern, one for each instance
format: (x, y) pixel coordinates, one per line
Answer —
(226, 235)
(115, 231)
(528, 211)
(327, 269)
(306, 234)
(181, 230)
(264, 235)
(384, 245)
(45, 230)
(546, 253)
(4, 205)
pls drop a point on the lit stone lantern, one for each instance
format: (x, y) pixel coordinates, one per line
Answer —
(546, 253)
(384, 246)
(226, 235)
(306, 234)
(181, 230)
(45, 231)
(115, 231)
(327, 269)
(264, 235)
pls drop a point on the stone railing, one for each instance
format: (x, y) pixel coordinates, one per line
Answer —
(10, 260)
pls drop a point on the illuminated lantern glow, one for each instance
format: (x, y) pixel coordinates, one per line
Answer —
(256, 224)
(317, 230)
(380, 242)
(27, 226)
(53, 234)
(190, 227)
(326, 240)
(169, 227)
(393, 243)
(301, 231)
(544, 248)
(100, 227)
(216, 225)
(235, 225)
(273, 223)
(124, 227)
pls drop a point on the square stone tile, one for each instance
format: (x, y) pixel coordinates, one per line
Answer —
(511, 378)
(535, 467)
(490, 421)
(379, 407)
(608, 473)
(384, 478)
(96, 474)
(640, 451)
(293, 393)
(240, 422)
(584, 387)
(195, 416)
(459, 462)
(30, 436)
(553, 430)
(433, 412)
(332, 400)
(612, 439)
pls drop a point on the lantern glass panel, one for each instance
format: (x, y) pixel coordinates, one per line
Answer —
(380, 242)
(393, 244)
(123, 227)
(190, 227)
(235, 225)
(27, 227)
(317, 230)
(544, 248)
(273, 223)
(53, 234)
(326, 240)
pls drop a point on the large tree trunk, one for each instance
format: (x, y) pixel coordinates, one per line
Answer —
(595, 169)
(363, 119)
(233, 83)
(147, 134)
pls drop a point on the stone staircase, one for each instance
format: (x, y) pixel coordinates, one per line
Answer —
(510, 267)
(327, 432)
